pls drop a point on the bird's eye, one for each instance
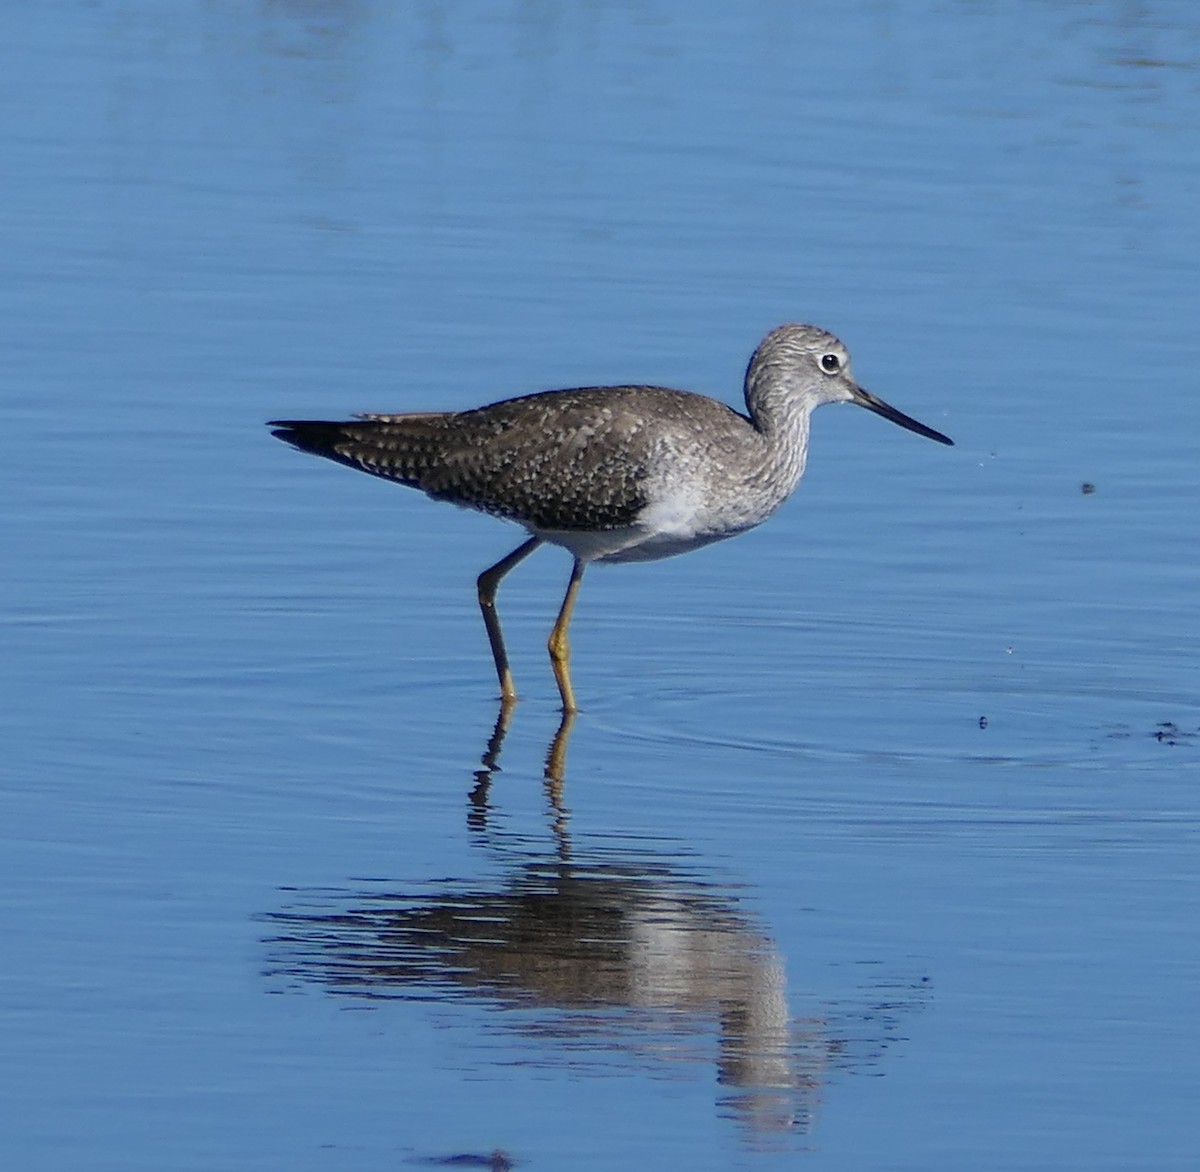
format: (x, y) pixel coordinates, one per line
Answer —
(830, 363)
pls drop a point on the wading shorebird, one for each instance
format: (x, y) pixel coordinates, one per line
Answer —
(612, 474)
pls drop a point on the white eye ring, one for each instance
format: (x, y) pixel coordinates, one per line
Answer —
(831, 363)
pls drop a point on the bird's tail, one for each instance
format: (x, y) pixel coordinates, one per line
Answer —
(396, 447)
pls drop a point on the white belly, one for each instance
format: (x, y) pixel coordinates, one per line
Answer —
(673, 524)
(634, 544)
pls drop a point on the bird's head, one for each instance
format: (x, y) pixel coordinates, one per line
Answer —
(804, 366)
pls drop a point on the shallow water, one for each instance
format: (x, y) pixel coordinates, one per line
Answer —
(875, 844)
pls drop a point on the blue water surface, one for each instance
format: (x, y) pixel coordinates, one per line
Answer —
(875, 844)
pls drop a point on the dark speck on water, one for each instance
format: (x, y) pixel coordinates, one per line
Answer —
(497, 1161)
(1087, 488)
(1169, 733)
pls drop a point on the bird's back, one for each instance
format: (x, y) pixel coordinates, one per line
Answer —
(557, 460)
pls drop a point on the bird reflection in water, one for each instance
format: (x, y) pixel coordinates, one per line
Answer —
(553, 776)
(614, 956)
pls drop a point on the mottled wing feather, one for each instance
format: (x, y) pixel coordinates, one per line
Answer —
(357, 445)
(574, 459)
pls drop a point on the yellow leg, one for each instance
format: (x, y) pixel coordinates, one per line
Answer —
(559, 647)
(489, 580)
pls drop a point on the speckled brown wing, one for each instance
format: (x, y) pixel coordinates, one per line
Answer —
(575, 459)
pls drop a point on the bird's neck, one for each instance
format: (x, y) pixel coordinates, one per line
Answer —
(782, 419)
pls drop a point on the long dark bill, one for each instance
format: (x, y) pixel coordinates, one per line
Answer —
(871, 403)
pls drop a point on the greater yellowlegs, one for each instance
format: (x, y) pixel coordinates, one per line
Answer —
(612, 474)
